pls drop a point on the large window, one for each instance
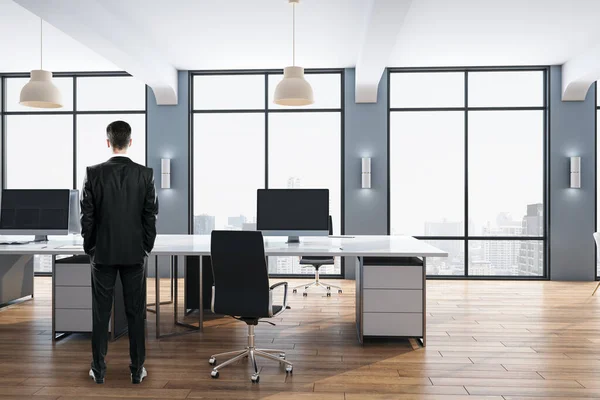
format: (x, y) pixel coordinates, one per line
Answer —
(243, 142)
(50, 148)
(467, 155)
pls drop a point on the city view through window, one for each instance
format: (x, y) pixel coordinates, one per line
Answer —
(473, 180)
(244, 143)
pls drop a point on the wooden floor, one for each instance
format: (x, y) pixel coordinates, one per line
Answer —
(487, 340)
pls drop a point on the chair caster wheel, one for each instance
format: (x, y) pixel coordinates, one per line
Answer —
(212, 361)
(305, 287)
(294, 291)
(340, 291)
(304, 294)
(214, 374)
(282, 356)
(328, 287)
(289, 369)
(255, 378)
(328, 294)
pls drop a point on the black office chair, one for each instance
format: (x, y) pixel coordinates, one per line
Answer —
(317, 262)
(241, 290)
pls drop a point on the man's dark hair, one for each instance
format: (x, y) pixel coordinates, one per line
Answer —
(119, 133)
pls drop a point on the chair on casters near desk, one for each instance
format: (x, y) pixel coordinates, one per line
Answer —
(241, 290)
(317, 262)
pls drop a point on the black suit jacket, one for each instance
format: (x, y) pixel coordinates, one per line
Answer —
(118, 212)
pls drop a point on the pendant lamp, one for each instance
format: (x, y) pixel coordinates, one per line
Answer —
(293, 90)
(40, 92)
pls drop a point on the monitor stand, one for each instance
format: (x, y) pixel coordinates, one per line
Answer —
(293, 240)
(40, 238)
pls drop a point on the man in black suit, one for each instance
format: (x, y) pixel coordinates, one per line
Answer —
(118, 224)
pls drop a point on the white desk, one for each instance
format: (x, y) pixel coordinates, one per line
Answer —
(372, 249)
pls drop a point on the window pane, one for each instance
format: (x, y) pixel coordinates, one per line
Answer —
(229, 166)
(39, 151)
(327, 90)
(305, 152)
(110, 93)
(506, 173)
(506, 258)
(427, 173)
(13, 93)
(427, 89)
(506, 89)
(91, 140)
(229, 92)
(454, 264)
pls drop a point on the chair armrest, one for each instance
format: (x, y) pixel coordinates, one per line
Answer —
(285, 289)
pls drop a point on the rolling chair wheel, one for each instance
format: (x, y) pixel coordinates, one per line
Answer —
(255, 378)
(289, 369)
(214, 374)
(282, 356)
(328, 287)
(304, 294)
(328, 294)
(340, 291)
(212, 361)
(294, 291)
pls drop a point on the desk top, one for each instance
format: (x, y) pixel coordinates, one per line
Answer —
(373, 246)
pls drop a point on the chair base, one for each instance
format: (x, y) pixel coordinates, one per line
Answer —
(252, 353)
(317, 283)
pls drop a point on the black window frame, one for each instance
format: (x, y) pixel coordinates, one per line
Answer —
(74, 113)
(466, 109)
(266, 111)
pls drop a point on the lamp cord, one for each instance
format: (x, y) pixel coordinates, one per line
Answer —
(294, 34)
(41, 43)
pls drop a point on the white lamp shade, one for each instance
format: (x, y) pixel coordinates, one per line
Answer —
(40, 92)
(293, 90)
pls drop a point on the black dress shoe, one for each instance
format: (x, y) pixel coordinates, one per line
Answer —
(139, 377)
(97, 379)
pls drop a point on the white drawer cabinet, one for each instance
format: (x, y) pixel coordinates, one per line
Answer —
(392, 297)
(72, 298)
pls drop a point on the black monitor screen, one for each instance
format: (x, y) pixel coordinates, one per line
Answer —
(35, 209)
(292, 210)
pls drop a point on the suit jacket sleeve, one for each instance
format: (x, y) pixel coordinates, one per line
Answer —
(87, 209)
(150, 212)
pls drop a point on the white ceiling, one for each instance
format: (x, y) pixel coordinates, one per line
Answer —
(232, 34)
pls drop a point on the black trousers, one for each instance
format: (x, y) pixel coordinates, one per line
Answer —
(134, 292)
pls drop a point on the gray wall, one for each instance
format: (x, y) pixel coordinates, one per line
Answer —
(167, 137)
(167, 132)
(365, 125)
(572, 211)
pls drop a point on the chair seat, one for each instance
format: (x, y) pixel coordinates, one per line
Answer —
(317, 260)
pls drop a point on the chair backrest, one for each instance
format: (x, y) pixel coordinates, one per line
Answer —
(597, 239)
(240, 273)
(317, 258)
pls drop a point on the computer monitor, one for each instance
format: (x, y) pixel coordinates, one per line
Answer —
(39, 212)
(293, 212)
